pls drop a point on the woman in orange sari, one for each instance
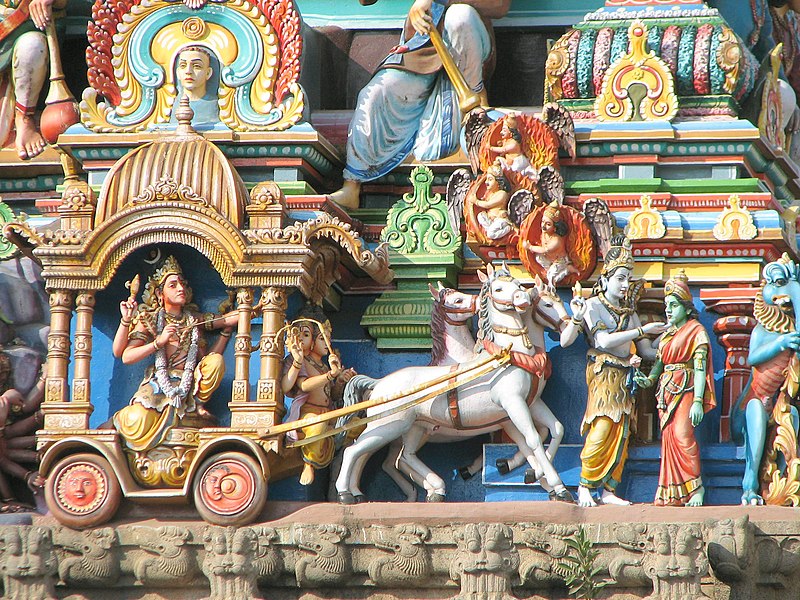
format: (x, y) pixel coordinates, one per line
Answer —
(685, 393)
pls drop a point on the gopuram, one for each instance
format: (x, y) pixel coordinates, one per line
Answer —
(400, 299)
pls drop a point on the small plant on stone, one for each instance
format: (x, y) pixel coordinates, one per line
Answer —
(581, 573)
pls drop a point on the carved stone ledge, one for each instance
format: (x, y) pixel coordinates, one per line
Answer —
(328, 551)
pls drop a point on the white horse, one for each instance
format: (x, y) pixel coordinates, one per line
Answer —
(453, 343)
(503, 395)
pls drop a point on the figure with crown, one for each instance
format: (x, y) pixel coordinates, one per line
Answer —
(685, 393)
(310, 383)
(611, 323)
(184, 374)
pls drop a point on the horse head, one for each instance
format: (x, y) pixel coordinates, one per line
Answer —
(549, 309)
(457, 307)
(503, 291)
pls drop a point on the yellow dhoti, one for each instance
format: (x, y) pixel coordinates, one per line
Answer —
(317, 454)
(606, 424)
(147, 420)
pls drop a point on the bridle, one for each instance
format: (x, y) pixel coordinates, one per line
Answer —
(471, 309)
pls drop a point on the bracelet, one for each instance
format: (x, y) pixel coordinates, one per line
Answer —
(124, 323)
(155, 345)
(639, 332)
(698, 400)
(225, 334)
(330, 376)
(576, 321)
(297, 365)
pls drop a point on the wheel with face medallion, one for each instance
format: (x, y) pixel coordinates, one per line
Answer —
(230, 489)
(82, 491)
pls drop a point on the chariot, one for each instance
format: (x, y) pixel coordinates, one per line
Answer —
(179, 190)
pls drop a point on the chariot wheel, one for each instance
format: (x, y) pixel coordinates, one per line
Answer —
(82, 491)
(230, 489)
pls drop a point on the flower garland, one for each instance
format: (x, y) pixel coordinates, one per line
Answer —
(175, 393)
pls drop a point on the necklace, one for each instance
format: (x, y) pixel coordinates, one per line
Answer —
(319, 366)
(619, 314)
(175, 393)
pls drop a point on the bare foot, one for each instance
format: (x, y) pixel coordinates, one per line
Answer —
(347, 197)
(307, 476)
(29, 142)
(585, 497)
(697, 498)
(608, 497)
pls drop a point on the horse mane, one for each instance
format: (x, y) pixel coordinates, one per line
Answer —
(438, 347)
(485, 331)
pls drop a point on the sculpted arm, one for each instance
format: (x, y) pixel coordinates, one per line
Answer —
(765, 346)
(700, 359)
(494, 200)
(644, 347)
(138, 349)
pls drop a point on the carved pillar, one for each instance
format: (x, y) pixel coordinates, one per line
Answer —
(268, 407)
(242, 347)
(733, 333)
(84, 303)
(58, 346)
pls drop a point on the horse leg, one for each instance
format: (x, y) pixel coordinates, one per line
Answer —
(412, 441)
(520, 416)
(541, 413)
(471, 470)
(367, 444)
(506, 465)
(391, 466)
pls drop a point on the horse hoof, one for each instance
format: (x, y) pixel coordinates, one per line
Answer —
(465, 474)
(359, 498)
(346, 498)
(562, 496)
(502, 466)
(531, 476)
(435, 497)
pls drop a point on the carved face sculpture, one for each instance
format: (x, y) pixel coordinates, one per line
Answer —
(675, 311)
(617, 284)
(548, 225)
(173, 293)
(312, 344)
(81, 489)
(193, 72)
(491, 183)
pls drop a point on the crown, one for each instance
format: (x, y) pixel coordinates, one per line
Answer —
(496, 170)
(553, 210)
(678, 286)
(169, 267)
(619, 255)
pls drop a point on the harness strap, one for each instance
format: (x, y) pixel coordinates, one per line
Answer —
(452, 402)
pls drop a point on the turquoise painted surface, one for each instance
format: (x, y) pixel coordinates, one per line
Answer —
(390, 13)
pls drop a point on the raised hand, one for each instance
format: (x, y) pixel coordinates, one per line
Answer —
(127, 308)
(335, 364)
(420, 16)
(294, 346)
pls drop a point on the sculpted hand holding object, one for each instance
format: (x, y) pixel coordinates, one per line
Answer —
(685, 393)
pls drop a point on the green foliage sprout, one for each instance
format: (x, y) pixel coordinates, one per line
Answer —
(581, 574)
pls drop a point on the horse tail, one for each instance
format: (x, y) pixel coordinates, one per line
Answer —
(357, 390)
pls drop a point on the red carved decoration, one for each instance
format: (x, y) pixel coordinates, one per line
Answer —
(106, 17)
(285, 20)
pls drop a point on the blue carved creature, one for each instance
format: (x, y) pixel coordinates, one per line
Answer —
(773, 358)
